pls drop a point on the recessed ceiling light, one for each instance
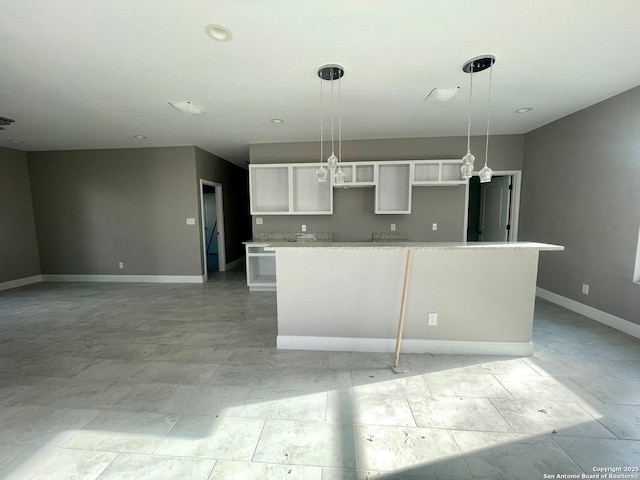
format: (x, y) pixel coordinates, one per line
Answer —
(442, 94)
(141, 137)
(218, 32)
(524, 110)
(15, 141)
(277, 120)
(187, 107)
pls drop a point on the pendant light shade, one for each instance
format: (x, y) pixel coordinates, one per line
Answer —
(321, 173)
(332, 161)
(485, 174)
(331, 73)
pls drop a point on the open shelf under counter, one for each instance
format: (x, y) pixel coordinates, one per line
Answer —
(261, 267)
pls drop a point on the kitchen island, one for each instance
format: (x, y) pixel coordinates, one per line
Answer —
(347, 296)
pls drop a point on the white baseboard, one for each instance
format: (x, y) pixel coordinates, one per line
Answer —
(20, 282)
(612, 321)
(125, 278)
(388, 345)
(235, 263)
(262, 289)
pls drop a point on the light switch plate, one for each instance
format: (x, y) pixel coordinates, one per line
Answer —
(393, 227)
(433, 319)
(191, 221)
(434, 226)
(304, 228)
(259, 221)
(585, 289)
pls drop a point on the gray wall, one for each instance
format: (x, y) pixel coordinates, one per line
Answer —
(18, 244)
(234, 180)
(580, 190)
(353, 218)
(94, 208)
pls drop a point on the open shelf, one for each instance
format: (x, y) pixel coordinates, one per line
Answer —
(393, 192)
(269, 189)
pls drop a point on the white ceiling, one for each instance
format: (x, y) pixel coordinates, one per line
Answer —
(79, 74)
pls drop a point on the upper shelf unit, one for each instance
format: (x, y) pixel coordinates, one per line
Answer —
(288, 189)
(293, 188)
(358, 174)
(393, 191)
(437, 172)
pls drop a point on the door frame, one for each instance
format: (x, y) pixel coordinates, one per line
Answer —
(222, 258)
(514, 216)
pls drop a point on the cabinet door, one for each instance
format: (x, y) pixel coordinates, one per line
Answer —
(269, 189)
(310, 196)
(393, 192)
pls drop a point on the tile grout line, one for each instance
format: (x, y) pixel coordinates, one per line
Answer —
(164, 437)
(567, 453)
(255, 448)
(464, 459)
(491, 400)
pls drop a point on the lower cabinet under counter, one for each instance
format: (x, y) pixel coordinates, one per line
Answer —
(261, 268)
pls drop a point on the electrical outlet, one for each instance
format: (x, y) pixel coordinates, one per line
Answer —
(259, 221)
(304, 228)
(434, 226)
(585, 289)
(393, 227)
(120, 264)
(433, 319)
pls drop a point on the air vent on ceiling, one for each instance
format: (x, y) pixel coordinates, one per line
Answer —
(187, 107)
(4, 121)
(442, 94)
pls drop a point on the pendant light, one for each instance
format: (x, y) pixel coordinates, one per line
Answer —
(486, 172)
(338, 178)
(475, 65)
(330, 73)
(466, 169)
(321, 173)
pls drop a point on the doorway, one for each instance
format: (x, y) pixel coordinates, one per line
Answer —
(492, 208)
(212, 216)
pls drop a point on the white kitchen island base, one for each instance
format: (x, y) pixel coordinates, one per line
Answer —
(346, 297)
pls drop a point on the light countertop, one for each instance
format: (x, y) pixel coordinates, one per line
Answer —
(395, 245)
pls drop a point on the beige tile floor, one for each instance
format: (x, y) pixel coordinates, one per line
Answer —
(128, 381)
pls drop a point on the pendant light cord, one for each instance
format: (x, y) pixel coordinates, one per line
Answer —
(469, 120)
(332, 146)
(339, 123)
(321, 121)
(486, 150)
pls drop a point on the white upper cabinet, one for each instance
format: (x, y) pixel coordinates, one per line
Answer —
(358, 174)
(288, 189)
(393, 191)
(293, 188)
(309, 196)
(269, 187)
(437, 172)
